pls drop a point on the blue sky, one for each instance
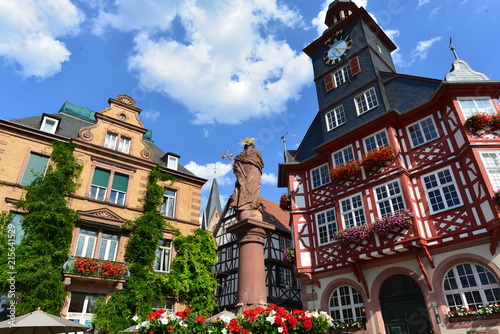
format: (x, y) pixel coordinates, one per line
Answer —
(209, 73)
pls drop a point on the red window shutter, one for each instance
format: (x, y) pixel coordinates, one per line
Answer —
(329, 82)
(355, 66)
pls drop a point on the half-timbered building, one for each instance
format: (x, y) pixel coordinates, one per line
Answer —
(282, 287)
(393, 188)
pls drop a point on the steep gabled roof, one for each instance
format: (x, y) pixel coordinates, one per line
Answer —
(213, 207)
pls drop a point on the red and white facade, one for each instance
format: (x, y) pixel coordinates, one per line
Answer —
(444, 173)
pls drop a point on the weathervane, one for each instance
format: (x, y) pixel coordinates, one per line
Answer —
(452, 48)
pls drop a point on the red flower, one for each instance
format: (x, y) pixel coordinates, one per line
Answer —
(200, 319)
(345, 172)
(307, 323)
(377, 158)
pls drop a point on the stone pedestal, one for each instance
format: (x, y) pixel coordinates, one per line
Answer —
(250, 234)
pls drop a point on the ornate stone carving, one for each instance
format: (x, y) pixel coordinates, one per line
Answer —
(126, 99)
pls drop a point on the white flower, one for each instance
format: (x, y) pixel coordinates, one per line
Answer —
(135, 317)
(270, 319)
(144, 324)
(225, 318)
(224, 331)
(280, 329)
(164, 321)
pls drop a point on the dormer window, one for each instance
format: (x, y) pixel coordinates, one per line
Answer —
(49, 124)
(172, 160)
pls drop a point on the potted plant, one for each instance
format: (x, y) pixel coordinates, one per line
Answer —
(495, 121)
(497, 196)
(86, 265)
(285, 202)
(397, 221)
(378, 157)
(345, 172)
(112, 269)
(479, 121)
(355, 234)
(462, 314)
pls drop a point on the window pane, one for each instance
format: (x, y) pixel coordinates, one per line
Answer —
(36, 166)
(101, 177)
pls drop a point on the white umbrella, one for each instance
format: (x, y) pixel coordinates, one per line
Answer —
(39, 322)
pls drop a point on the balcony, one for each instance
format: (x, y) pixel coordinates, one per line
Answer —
(101, 269)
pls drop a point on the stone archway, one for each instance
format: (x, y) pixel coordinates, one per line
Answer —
(403, 307)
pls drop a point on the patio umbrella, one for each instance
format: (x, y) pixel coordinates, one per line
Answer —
(39, 322)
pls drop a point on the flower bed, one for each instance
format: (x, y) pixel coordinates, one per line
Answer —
(259, 320)
(345, 172)
(399, 220)
(377, 158)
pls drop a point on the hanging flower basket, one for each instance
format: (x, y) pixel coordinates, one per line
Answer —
(345, 172)
(355, 234)
(285, 202)
(397, 221)
(289, 256)
(479, 121)
(378, 158)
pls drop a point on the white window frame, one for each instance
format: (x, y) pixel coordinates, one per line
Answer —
(169, 202)
(352, 211)
(124, 145)
(343, 155)
(426, 135)
(163, 256)
(481, 104)
(111, 140)
(88, 242)
(49, 124)
(479, 284)
(335, 118)
(366, 101)
(285, 277)
(326, 222)
(492, 166)
(319, 176)
(342, 75)
(109, 246)
(392, 201)
(378, 140)
(353, 310)
(441, 190)
(172, 162)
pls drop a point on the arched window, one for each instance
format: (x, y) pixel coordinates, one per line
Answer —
(470, 285)
(346, 305)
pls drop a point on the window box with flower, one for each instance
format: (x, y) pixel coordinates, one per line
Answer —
(345, 172)
(95, 267)
(354, 234)
(477, 122)
(400, 220)
(497, 196)
(378, 158)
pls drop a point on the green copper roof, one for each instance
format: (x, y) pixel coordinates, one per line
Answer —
(78, 111)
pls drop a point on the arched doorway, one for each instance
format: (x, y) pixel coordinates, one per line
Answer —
(403, 306)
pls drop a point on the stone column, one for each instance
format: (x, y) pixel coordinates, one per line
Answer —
(250, 234)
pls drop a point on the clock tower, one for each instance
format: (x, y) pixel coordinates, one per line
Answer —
(349, 62)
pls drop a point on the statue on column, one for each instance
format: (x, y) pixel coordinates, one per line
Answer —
(247, 168)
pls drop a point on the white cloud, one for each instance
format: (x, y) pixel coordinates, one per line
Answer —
(422, 49)
(270, 179)
(222, 171)
(434, 11)
(151, 115)
(29, 32)
(422, 2)
(218, 58)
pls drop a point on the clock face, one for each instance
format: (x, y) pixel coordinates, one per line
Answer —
(336, 49)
